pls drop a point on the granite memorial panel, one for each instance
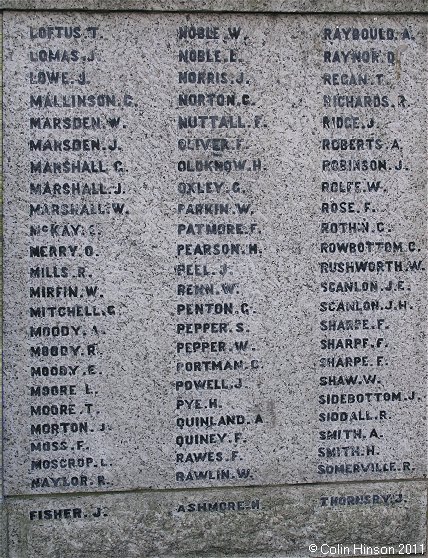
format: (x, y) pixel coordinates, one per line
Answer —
(215, 281)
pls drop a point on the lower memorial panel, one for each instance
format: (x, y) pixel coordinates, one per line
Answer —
(357, 519)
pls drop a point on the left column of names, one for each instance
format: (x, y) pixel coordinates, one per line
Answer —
(75, 183)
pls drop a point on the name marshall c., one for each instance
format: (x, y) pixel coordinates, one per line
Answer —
(66, 167)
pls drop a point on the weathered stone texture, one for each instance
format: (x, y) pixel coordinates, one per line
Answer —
(274, 522)
(215, 280)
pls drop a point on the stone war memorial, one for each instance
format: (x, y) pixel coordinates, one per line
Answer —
(214, 278)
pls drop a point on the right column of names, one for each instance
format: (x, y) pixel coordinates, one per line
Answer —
(370, 253)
